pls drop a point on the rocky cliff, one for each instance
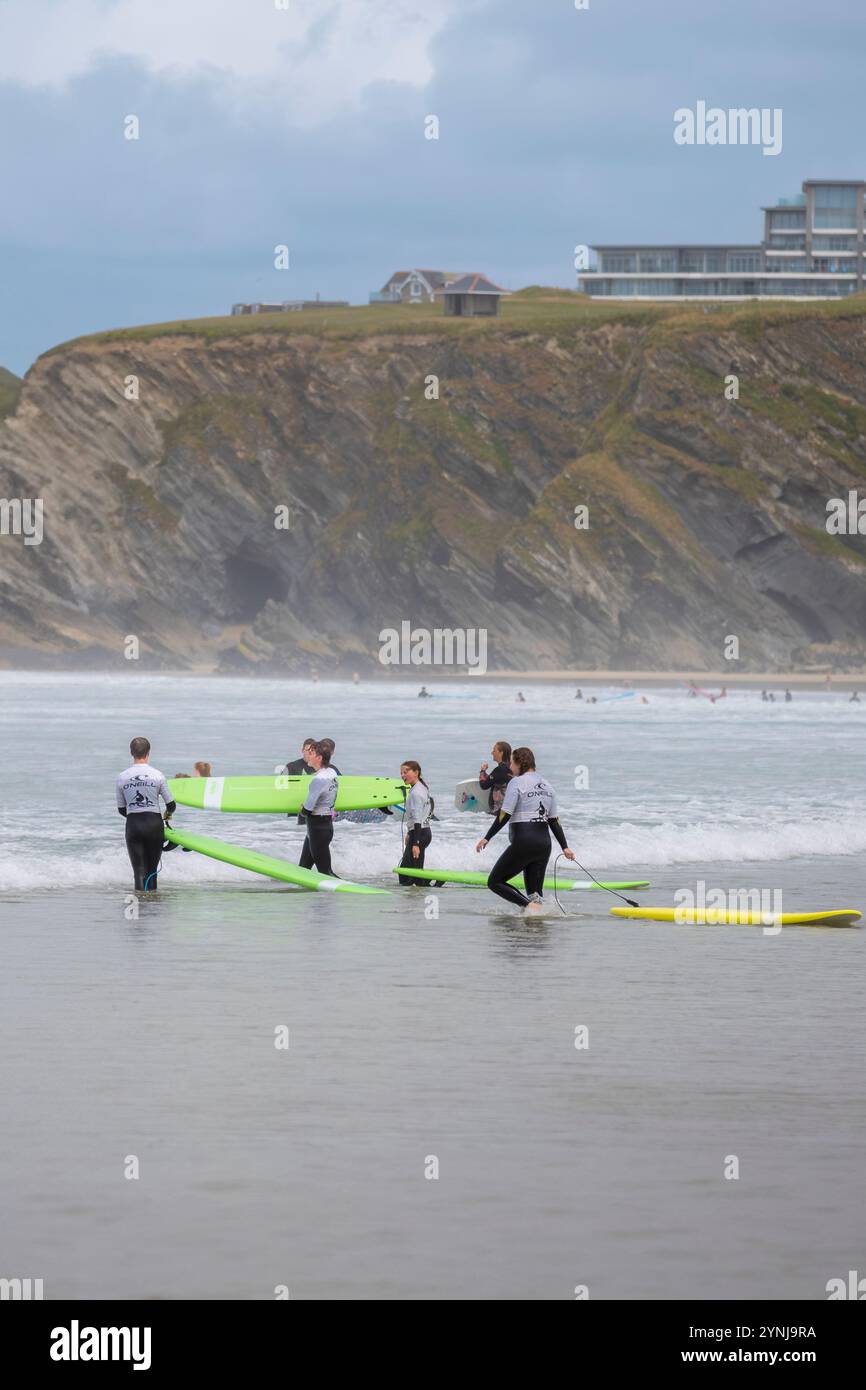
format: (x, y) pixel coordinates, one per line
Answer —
(706, 515)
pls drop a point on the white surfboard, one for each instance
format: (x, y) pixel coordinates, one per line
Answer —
(470, 796)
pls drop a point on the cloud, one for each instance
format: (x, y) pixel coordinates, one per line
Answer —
(308, 60)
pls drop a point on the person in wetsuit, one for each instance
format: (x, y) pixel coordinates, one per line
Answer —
(499, 778)
(530, 806)
(416, 818)
(317, 811)
(139, 789)
(301, 767)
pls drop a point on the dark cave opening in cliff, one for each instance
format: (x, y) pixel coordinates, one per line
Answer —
(249, 585)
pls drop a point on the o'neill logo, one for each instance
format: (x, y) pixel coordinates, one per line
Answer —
(76, 1343)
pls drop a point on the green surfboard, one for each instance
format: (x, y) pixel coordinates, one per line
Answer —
(281, 793)
(472, 879)
(264, 864)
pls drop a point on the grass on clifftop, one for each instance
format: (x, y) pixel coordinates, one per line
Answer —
(10, 390)
(552, 312)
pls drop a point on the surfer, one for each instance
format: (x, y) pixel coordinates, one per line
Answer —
(788, 697)
(302, 766)
(417, 814)
(202, 770)
(530, 805)
(317, 808)
(855, 699)
(424, 693)
(578, 695)
(521, 698)
(499, 778)
(139, 789)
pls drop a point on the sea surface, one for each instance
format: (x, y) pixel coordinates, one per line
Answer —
(432, 1130)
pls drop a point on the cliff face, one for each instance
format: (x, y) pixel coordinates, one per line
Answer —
(705, 516)
(10, 390)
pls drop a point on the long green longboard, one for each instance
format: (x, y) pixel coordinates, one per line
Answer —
(472, 879)
(722, 917)
(281, 793)
(264, 864)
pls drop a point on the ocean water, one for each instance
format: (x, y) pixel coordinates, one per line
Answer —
(431, 1031)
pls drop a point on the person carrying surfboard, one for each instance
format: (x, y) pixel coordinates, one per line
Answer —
(499, 777)
(530, 805)
(138, 791)
(317, 808)
(416, 818)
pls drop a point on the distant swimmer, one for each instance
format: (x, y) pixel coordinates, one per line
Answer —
(788, 697)
(356, 679)
(521, 698)
(417, 815)
(202, 769)
(855, 699)
(499, 778)
(317, 808)
(139, 790)
(530, 805)
(644, 700)
(771, 697)
(764, 696)
(578, 695)
(424, 693)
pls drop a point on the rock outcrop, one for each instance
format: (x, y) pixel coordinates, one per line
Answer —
(706, 516)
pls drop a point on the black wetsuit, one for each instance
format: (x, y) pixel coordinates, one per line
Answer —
(529, 848)
(138, 793)
(298, 768)
(316, 853)
(495, 782)
(145, 833)
(421, 836)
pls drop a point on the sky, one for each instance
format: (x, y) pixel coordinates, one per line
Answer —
(302, 123)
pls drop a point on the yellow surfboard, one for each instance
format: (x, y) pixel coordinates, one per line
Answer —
(720, 917)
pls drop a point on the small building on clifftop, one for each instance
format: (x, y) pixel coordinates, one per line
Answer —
(472, 296)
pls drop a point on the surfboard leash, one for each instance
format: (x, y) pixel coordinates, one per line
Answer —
(555, 894)
(631, 902)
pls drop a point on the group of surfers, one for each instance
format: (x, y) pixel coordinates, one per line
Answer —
(518, 796)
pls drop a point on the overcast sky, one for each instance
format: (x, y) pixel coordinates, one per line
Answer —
(305, 126)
